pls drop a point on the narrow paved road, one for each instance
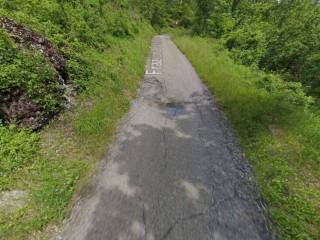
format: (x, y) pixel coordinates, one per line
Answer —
(174, 171)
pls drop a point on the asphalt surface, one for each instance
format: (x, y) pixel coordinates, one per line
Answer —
(175, 170)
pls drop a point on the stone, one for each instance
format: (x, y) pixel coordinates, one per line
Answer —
(11, 201)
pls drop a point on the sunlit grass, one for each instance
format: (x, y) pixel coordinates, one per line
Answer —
(71, 146)
(279, 133)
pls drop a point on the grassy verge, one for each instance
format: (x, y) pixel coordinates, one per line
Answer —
(279, 132)
(51, 165)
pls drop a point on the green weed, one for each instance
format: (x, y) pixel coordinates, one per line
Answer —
(52, 165)
(106, 48)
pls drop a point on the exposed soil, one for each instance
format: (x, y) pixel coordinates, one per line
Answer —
(12, 200)
(16, 107)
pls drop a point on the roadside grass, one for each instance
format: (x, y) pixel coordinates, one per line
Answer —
(53, 165)
(106, 46)
(279, 128)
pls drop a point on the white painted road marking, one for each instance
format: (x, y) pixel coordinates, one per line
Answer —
(155, 67)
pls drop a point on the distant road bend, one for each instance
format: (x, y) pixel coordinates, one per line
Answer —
(175, 170)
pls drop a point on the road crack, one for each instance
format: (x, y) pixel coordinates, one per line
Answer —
(144, 221)
(178, 221)
(193, 216)
(165, 147)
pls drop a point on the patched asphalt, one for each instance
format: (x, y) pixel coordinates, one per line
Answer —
(175, 169)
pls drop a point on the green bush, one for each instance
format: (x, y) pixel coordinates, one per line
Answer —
(30, 72)
(248, 43)
(76, 26)
(278, 36)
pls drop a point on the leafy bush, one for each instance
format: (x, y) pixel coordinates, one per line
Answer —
(213, 18)
(248, 43)
(76, 26)
(280, 36)
(31, 73)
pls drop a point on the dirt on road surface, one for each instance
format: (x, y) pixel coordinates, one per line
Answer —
(175, 170)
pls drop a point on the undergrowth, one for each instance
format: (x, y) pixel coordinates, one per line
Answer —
(51, 165)
(279, 129)
(24, 69)
(106, 46)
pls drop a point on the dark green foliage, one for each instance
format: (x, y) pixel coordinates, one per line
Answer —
(213, 17)
(281, 36)
(164, 13)
(155, 11)
(293, 45)
(181, 13)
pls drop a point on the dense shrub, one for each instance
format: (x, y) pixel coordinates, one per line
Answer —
(74, 26)
(29, 71)
(279, 36)
(248, 43)
(213, 18)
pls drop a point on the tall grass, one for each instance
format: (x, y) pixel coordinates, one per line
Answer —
(278, 130)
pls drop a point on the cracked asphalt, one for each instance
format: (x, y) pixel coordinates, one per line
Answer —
(174, 171)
